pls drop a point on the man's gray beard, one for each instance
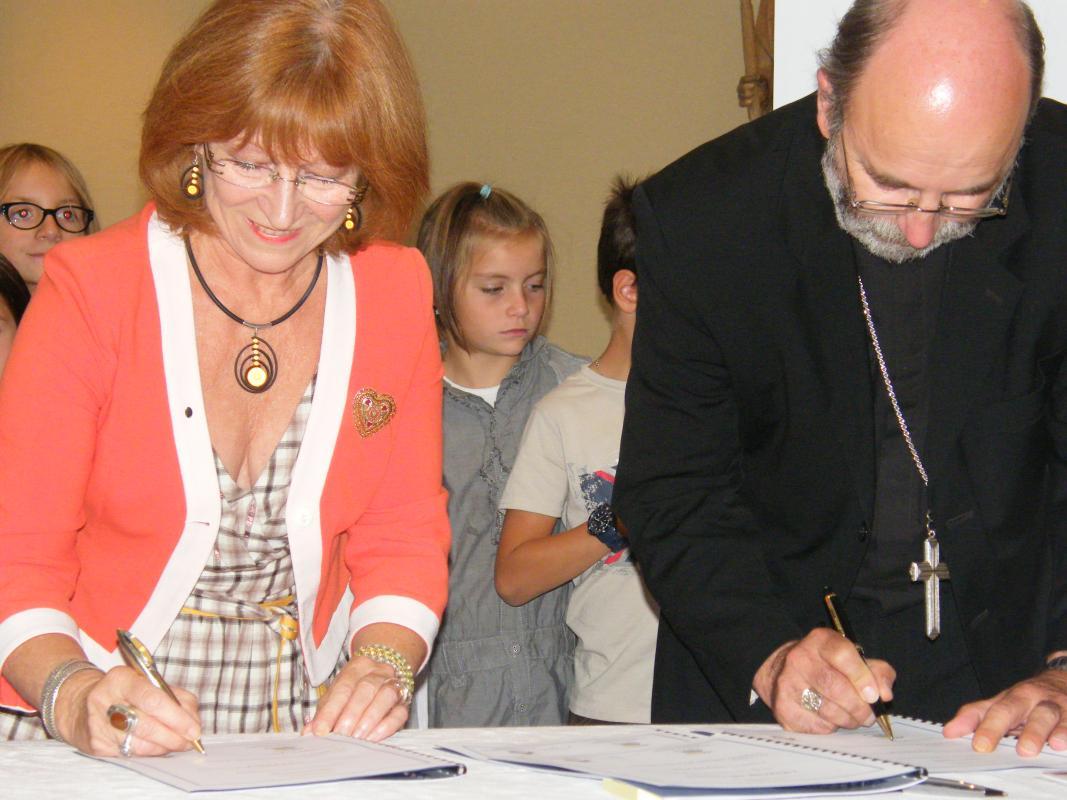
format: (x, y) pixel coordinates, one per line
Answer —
(880, 235)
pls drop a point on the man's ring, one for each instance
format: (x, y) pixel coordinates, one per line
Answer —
(811, 700)
(123, 718)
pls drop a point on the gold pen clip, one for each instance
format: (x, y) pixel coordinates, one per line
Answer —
(140, 658)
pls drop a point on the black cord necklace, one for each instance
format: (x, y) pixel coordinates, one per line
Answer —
(256, 365)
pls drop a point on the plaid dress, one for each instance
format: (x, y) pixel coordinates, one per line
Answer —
(234, 644)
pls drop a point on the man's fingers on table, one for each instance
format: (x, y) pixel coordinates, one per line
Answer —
(1040, 696)
(1057, 740)
(967, 719)
(1000, 717)
(1042, 720)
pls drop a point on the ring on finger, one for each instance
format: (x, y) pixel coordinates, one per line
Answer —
(126, 747)
(402, 690)
(125, 719)
(811, 700)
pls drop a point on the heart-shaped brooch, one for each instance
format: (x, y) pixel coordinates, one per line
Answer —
(372, 411)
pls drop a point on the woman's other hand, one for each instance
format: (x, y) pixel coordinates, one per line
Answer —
(367, 699)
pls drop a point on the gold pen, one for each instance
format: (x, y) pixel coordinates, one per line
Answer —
(140, 659)
(837, 616)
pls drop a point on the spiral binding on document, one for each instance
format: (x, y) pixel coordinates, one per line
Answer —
(818, 749)
(891, 774)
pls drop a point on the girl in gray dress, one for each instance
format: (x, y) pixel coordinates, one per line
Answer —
(491, 259)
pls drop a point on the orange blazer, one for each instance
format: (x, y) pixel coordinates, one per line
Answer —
(109, 501)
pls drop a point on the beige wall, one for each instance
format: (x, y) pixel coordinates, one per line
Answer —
(549, 98)
(77, 74)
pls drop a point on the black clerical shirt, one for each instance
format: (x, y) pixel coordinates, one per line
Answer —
(904, 300)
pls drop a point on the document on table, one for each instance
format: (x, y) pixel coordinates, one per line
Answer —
(669, 762)
(281, 759)
(921, 744)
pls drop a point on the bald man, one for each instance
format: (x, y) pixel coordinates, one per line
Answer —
(848, 371)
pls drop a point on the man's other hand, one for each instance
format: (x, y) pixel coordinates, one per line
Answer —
(1034, 709)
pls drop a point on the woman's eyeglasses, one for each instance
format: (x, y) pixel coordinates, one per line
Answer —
(326, 191)
(27, 216)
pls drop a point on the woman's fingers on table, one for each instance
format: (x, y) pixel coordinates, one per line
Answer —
(364, 701)
(394, 720)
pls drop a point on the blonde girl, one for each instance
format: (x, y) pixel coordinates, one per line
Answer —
(491, 259)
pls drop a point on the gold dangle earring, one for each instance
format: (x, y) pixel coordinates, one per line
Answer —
(351, 225)
(191, 180)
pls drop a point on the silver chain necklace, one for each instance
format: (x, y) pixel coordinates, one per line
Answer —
(931, 570)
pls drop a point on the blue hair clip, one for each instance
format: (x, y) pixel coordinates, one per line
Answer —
(485, 191)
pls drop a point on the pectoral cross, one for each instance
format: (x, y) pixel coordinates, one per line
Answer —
(931, 572)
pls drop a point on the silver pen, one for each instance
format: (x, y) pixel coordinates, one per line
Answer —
(140, 659)
(945, 785)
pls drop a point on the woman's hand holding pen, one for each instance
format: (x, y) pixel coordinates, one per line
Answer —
(163, 726)
(820, 683)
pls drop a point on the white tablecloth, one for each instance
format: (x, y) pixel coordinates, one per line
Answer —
(45, 770)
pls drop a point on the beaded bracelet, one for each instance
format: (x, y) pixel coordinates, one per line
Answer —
(381, 654)
(53, 683)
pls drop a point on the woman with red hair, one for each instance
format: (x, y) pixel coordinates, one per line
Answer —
(221, 420)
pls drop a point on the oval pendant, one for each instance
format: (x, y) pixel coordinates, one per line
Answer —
(256, 376)
(256, 366)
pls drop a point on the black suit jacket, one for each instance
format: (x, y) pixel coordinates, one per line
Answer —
(747, 469)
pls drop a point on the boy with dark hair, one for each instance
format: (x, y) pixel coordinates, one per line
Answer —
(564, 472)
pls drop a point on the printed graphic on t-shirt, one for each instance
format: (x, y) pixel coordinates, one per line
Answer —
(596, 488)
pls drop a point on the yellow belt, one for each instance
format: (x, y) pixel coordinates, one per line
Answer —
(288, 628)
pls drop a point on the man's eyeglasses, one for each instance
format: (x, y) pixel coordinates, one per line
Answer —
(27, 216)
(247, 175)
(961, 213)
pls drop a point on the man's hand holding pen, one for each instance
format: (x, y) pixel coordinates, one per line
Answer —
(821, 683)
